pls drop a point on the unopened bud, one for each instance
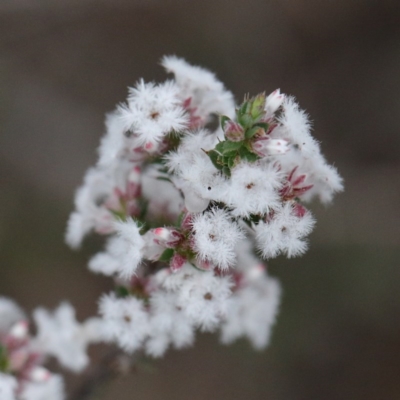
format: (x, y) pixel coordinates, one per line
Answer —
(39, 374)
(256, 272)
(166, 236)
(257, 106)
(234, 131)
(274, 101)
(20, 330)
(269, 147)
(177, 262)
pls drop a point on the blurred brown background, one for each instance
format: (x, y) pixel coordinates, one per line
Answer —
(63, 64)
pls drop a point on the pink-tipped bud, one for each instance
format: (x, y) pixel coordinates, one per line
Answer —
(256, 272)
(299, 210)
(149, 146)
(39, 374)
(187, 222)
(18, 359)
(162, 233)
(177, 262)
(20, 330)
(167, 237)
(270, 147)
(233, 131)
(274, 101)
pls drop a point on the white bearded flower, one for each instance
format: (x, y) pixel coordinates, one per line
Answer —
(195, 175)
(253, 189)
(152, 112)
(252, 312)
(126, 321)
(215, 237)
(284, 232)
(201, 296)
(61, 336)
(205, 299)
(50, 389)
(8, 387)
(123, 253)
(169, 324)
(10, 313)
(207, 94)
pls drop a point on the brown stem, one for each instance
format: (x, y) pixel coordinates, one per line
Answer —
(97, 376)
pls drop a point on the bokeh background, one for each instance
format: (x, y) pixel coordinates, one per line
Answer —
(63, 64)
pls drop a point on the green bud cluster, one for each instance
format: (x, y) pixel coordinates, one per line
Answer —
(228, 153)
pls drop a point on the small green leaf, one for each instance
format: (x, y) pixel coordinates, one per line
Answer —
(252, 131)
(163, 178)
(257, 106)
(263, 125)
(3, 359)
(118, 215)
(166, 255)
(230, 147)
(121, 291)
(223, 121)
(226, 171)
(215, 159)
(231, 162)
(220, 147)
(245, 120)
(247, 155)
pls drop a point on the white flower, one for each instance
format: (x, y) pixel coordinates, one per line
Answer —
(8, 387)
(123, 253)
(296, 128)
(129, 247)
(165, 200)
(89, 214)
(195, 175)
(152, 112)
(10, 313)
(200, 295)
(169, 324)
(50, 389)
(215, 236)
(284, 232)
(114, 145)
(253, 189)
(207, 94)
(126, 321)
(205, 300)
(61, 336)
(252, 312)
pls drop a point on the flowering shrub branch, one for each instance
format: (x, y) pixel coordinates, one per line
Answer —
(188, 213)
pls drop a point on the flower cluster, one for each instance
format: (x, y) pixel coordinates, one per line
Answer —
(189, 211)
(22, 375)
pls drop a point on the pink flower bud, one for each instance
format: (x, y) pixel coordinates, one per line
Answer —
(18, 359)
(20, 330)
(256, 272)
(274, 101)
(177, 262)
(299, 210)
(39, 374)
(233, 131)
(167, 237)
(187, 222)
